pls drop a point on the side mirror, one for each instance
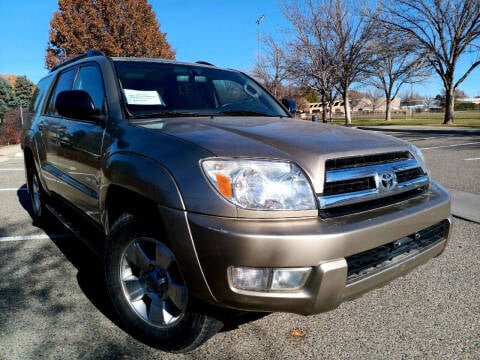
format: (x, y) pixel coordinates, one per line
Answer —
(290, 105)
(75, 104)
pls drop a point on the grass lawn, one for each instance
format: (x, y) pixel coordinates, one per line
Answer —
(462, 118)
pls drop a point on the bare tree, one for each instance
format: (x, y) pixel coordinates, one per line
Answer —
(376, 98)
(351, 30)
(444, 30)
(310, 60)
(395, 63)
(271, 71)
(429, 101)
(331, 44)
(411, 98)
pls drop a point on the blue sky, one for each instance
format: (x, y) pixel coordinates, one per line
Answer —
(222, 32)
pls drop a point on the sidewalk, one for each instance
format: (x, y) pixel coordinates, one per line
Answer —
(465, 205)
(10, 150)
(420, 129)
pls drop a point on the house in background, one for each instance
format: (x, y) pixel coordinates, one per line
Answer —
(363, 105)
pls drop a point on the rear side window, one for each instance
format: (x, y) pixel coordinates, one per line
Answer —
(89, 79)
(64, 82)
(39, 94)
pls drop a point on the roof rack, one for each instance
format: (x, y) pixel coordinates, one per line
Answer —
(204, 63)
(87, 54)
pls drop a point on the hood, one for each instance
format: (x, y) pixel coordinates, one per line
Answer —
(307, 144)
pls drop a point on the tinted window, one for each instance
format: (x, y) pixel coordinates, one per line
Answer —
(39, 93)
(64, 82)
(89, 78)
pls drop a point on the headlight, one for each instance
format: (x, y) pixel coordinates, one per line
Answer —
(419, 157)
(260, 184)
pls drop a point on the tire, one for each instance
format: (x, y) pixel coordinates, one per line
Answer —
(149, 293)
(38, 197)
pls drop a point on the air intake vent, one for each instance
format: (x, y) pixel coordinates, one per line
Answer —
(366, 160)
(375, 260)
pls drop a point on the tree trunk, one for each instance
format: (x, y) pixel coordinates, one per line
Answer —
(388, 109)
(324, 108)
(346, 106)
(449, 105)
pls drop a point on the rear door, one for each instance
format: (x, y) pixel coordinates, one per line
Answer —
(49, 126)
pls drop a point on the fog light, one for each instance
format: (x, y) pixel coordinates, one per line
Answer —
(289, 279)
(265, 279)
(250, 278)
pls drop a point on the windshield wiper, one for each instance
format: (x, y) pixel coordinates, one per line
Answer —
(165, 114)
(244, 113)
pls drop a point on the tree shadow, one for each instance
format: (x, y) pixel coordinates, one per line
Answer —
(90, 273)
(88, 263)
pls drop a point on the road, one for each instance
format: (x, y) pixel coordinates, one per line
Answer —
(52, 303)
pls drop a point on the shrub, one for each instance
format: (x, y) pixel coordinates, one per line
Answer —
(11, 128)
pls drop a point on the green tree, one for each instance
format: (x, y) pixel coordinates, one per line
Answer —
(116, 27)
(23, 91)
(7, 97)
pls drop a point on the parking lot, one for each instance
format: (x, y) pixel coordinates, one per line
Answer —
(52, 302)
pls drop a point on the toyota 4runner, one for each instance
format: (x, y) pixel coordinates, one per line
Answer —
(206, 193)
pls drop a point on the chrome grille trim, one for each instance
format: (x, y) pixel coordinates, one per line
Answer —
(368, 171)
(335, 194)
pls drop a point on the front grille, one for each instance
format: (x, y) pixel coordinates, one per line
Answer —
(385, 256)
(355, 183)
(406, 175)
(346, 186)
(366, 160)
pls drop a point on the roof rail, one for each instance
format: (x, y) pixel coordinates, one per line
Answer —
(87, 54)
(204, 63)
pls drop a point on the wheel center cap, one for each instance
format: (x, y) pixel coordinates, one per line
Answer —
(157, 280)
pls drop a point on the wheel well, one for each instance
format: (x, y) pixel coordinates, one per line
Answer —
(120, 200)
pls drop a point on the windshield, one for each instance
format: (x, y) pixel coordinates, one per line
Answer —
(168, 90)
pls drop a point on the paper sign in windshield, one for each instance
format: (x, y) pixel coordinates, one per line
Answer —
(142, 97)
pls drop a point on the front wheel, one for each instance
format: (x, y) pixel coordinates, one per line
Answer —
(149, 292)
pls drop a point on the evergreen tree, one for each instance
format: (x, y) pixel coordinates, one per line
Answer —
(7, 97)
(116, 27)
(23, 91)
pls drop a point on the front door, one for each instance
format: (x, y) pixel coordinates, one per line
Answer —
(79, 154)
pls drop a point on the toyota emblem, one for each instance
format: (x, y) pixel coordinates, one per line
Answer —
(388, 180)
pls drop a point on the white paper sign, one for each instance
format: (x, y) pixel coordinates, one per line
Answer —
(142, 97)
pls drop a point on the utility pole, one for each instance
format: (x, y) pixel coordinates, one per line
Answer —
(259, 20)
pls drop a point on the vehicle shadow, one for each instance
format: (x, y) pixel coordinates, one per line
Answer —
(90, 272)
(89, 264)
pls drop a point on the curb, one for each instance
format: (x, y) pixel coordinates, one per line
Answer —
(468, 131)
(465, 205)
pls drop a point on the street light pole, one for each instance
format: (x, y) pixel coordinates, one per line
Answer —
(259, 20)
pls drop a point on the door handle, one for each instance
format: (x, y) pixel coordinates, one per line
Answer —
(62, 131)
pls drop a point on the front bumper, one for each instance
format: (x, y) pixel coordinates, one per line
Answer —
(322, 244)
